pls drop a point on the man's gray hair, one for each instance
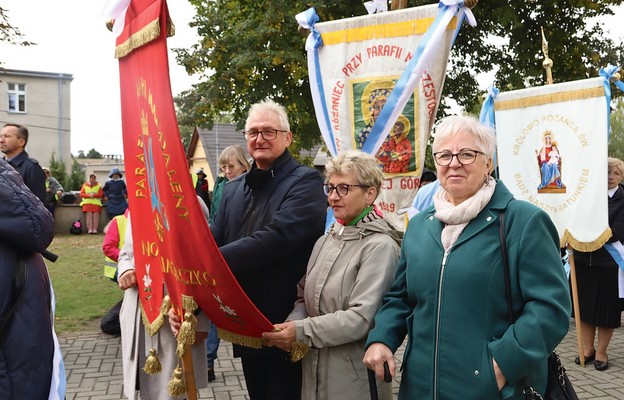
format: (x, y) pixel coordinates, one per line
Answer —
(270, 106)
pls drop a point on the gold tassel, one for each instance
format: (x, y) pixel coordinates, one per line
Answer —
(152, 364)
(298, 351)
(186, 336)
(166, 305)
(176, 385)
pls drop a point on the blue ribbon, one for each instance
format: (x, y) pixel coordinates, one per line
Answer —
(314, 40)
(607, 73)
(313, 43)
(399, 88)
(617, 257)
(487, 116)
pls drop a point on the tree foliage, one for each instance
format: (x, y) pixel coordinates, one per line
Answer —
(9, 33)
(616, 142)
(76, 177)
(250, 51)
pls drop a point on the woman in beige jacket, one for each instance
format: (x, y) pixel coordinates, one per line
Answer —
(349, 271)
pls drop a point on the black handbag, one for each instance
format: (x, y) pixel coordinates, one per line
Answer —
(558, 386)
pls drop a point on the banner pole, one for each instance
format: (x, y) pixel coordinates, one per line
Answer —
(575, 304)
(189, 374)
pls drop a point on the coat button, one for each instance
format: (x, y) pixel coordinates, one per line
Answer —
(488, 219)
(430, 218)
(476, 372)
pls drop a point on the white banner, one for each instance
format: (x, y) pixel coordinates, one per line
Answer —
(354, 66)
(552, 152)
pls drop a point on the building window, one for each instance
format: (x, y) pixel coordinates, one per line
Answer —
(17, 97)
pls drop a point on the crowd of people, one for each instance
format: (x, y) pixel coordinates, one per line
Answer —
(343, 301)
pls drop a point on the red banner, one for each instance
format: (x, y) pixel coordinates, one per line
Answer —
(173, 244)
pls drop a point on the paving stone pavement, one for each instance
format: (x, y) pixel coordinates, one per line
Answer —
(94, 369)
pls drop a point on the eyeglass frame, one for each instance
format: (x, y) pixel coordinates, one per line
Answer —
(456, 155)
(329, 189)
(225, 167)
(261, 132)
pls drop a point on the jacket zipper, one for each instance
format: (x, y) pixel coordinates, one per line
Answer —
(436, 345)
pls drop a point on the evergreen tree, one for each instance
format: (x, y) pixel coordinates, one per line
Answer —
(58, 171)
(76, 177)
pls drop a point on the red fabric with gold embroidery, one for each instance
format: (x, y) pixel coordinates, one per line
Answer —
(173, 244)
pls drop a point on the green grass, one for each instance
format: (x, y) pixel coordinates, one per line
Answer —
(83, 293)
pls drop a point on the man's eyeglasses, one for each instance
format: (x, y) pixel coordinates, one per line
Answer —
(341, 189)
(267, 134)
(464, 157)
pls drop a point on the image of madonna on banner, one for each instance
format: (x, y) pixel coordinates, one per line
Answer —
(376, 82)
(552, 152)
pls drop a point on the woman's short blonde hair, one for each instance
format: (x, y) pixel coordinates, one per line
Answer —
(450, 126)
(234, 153)
(364, 166)
(617, 164)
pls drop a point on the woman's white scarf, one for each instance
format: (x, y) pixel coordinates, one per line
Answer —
(456, 217)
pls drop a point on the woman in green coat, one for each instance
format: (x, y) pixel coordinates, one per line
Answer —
(449, 293)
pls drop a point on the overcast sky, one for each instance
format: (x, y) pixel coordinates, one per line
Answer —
(71, 38)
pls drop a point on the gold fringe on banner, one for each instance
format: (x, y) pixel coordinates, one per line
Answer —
(143, 36)
(153, 327)
(188, 303)
(585, 246)
(580, 94)
(152, 364)
(176, 385)
(237, 338)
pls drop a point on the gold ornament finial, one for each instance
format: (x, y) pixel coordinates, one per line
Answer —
(109, 24)
(615, 77)
(470, 3)
(548, 63)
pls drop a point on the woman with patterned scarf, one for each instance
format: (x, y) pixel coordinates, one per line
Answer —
(350, 269)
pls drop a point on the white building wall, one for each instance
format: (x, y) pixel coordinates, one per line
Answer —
(47, 114)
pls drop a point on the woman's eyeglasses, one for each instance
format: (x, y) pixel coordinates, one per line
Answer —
(464, 157)
(225, 167)
(341, 189)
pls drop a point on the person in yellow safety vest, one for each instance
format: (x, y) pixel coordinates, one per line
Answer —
(92, 194)
(113, 242)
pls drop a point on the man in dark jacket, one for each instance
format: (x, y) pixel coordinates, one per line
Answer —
(266, 226)
(26, 339)
(13, 139)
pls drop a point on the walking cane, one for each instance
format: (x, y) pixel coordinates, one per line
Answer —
(372, 381)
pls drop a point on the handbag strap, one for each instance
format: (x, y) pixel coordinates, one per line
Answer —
(19, 283)
(527, 390)
(503, 240)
